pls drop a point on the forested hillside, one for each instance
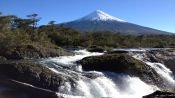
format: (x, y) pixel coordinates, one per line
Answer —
(15, 31)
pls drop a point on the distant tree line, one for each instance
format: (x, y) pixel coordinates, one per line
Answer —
(16, 31)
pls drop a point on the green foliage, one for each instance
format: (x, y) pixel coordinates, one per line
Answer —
(16, 32)
(61, 36)
(6, 22)
(20, 31)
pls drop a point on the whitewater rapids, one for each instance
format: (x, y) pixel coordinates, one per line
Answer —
(160, 68)
(106, 84)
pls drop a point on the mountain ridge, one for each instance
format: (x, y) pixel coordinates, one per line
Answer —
(99, 21)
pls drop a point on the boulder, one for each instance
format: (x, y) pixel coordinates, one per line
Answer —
(124, 64)
(112, 62)
(15, 89)
(160, 94)
(34, 74)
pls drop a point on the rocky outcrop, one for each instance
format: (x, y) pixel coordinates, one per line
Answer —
(160, 94)
(15, 89)
(33, 51)
(166, 57)
(111, 62)
(34, 74)
(122, 63)
(95, 49)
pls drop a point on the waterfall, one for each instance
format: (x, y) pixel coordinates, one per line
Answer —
(105, 84)
(128, 87)
(160, 68)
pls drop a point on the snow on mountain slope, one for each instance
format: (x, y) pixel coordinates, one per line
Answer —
(99, 15)
(99, 21)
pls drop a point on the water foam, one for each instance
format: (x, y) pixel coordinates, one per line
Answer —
(106, 85)
(160, 68)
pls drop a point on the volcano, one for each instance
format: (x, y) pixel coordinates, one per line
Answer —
(99, 21)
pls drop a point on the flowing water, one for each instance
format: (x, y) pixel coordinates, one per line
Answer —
(160, 68)
(105, 84)
(94, 84)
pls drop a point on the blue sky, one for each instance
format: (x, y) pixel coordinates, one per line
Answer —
(158, 14)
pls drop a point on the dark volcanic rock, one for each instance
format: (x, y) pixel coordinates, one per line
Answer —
(165, 56)
(33, 51)
(15, 89)
(112, 62)
(160, 94)
(95, 49)
(122, 63)
(34, 74)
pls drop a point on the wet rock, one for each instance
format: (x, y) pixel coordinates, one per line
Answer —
(112, 62)
(165, 56)
(122, 63)
(92, 75)
(160, 94)
(95, 49)
(15, 89)
(34, 74)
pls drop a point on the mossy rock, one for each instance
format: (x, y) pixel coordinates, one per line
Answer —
(112, 62)
(122, 63)
(34, 74)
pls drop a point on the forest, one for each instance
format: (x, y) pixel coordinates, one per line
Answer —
(16, 31)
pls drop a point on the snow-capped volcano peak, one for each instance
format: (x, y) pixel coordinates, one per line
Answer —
(99, 15)
(99, 21)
